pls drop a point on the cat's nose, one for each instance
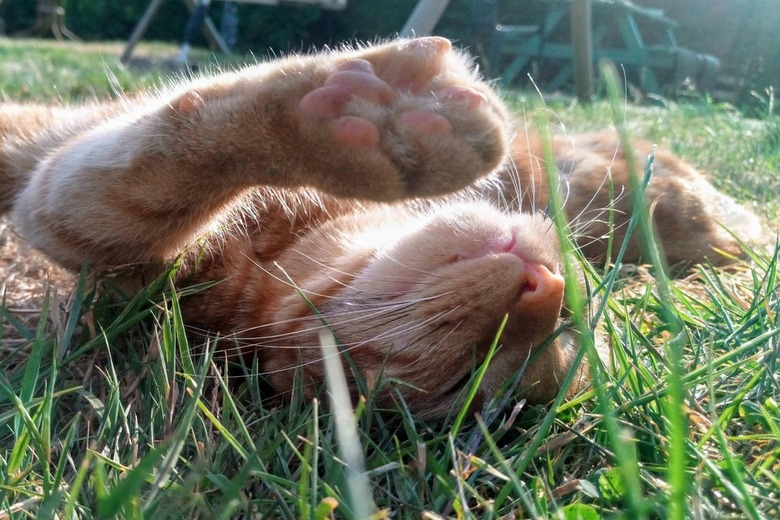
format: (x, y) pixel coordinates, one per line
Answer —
(542, 291)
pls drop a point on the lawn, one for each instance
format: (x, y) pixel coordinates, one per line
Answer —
(686, 422)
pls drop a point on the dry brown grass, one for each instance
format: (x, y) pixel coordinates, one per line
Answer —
(27, 275)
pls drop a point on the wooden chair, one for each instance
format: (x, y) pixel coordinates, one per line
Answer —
(639, 39)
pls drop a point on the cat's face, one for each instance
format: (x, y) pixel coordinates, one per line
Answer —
(417, 301)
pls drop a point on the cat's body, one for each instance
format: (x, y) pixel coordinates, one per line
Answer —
(252, 176)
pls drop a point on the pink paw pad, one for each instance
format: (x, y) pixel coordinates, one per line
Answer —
(357, 65)
(432, 44)
(428, 123)
(424, 59)
(361, 84)
(355, 131)
(352, 79)
(471, 97)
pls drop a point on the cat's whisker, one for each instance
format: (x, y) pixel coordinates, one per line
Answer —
(405, 326)
(385, 294)
(536, 168)
(322, 264)
(616, 198)
(344, 347)
(358, 315)
(589, 217)
(411, 269)
(516, 204)
(563, 182)
(431, 331)
(393, 313)
(379, 291)
(323, 322)
(287, 281)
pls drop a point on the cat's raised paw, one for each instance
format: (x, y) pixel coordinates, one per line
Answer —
(405, 119)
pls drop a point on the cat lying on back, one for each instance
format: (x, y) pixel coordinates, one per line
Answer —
(306, 174)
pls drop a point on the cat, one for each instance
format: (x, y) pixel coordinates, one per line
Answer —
(370, 184)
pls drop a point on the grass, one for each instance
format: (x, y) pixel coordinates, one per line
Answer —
(687, 423)
(46, 71)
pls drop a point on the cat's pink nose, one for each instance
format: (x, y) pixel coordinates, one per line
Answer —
(542, 293)
(542, 283)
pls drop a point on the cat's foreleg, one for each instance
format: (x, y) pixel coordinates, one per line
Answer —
(404, 119)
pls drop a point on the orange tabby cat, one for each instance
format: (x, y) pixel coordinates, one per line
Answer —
(305, 174)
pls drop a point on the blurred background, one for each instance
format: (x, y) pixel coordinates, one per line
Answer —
(743, 36)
